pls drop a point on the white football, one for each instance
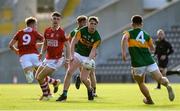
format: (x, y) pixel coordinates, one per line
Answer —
(89, 64)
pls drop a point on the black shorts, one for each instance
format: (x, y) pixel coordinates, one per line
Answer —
(163, 63)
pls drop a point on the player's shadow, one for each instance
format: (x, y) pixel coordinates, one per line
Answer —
(158, 106)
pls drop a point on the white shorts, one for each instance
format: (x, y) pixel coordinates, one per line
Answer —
(29, 60)
(142, 70)
(80, 57)
(53, 63)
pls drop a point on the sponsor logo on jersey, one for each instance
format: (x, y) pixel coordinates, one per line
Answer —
(52, 43)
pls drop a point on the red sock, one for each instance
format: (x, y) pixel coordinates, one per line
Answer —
(51, 80)
(45, 88)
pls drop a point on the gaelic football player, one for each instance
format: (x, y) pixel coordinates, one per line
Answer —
(83, 47)
(27, 40)
(55, 40)
(139, 43)
(81, 22)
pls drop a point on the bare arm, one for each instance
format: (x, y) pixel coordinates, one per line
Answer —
(93, 50)
(92, 53)
(12, 46)
(39, 44)
(67, 45)
(73, 42)
(43, 48)
(124, 42)
(69, 38)
(151, 46)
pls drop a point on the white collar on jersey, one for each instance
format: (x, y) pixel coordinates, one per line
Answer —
(28, 29)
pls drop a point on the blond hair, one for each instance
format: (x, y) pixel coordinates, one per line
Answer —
(30, 20)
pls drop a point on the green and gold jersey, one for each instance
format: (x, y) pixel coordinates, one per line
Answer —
(138, 46)
(73, 32)
(86, 41)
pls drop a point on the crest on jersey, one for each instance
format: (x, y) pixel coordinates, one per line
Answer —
(52, 35)
(57, 35)
(92, 40)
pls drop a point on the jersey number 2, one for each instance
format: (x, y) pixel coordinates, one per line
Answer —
(26, 39)
(140, 37)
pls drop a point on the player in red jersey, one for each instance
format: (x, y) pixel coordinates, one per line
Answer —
(55, 40)
(27, 40)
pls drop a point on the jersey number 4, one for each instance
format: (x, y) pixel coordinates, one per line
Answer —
(140, 37)
(26, 39)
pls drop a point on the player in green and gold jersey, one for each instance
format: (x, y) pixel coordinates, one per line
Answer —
(87, 40)
(140, 44)
(81, 22)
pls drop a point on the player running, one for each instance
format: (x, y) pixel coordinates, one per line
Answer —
(27, 40)
(81, 22)
(139, 43)
(54, 42)
(87, 40)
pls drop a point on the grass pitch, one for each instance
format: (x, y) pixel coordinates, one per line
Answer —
(110, 97)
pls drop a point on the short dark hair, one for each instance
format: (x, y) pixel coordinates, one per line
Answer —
(30, 20)
(94, 18)
(137, 19)
(57, 14)
(81, 18)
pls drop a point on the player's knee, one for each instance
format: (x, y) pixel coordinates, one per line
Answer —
(164, 81)
(83, 78)
(138, 79)
(29, 76)
(37, 78)
(69, 73)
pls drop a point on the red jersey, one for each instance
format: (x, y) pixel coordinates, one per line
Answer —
(27, 39)
(55, 42)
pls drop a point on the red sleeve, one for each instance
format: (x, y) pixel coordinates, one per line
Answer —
(16, 35)
(64, 38)
(39, 36)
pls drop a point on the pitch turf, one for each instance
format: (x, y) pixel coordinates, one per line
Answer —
(110, 97)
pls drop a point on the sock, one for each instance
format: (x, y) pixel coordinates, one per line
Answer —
(159, 85)
(51, 80)
(94, 89)
(49, 91)
(65, 92)
(45, 88)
